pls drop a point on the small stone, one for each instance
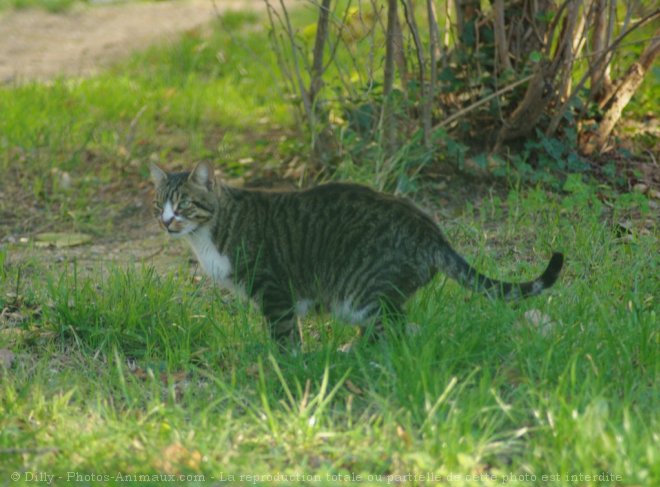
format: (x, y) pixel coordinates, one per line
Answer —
(640, 188)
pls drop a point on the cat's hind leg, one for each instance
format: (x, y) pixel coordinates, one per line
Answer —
(389, 313)
(371, 315)
(278, 307)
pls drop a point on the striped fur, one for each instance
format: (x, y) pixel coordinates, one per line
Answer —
(341, 246)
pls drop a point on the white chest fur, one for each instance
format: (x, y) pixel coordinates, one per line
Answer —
(215, 264)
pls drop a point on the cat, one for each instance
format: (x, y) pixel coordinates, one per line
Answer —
(345, 247)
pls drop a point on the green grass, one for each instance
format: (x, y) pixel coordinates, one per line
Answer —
(188, 90)
(125, 370)
(128, 371)
(53, 6)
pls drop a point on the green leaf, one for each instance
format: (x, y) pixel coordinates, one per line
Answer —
(575, 185)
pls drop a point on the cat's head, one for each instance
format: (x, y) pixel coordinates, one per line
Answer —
(185, 200)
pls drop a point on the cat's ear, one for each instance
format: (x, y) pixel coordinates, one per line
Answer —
(158, 176)
(203, 176)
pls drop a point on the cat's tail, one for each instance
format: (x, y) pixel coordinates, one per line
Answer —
(456, 267)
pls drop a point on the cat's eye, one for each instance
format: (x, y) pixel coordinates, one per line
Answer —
(184, 204)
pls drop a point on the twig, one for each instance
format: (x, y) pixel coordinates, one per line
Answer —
(553, 26)
(573, 42)
(601, 82)
(317, 54)
(501, 44)
(301, 85)
(279, 49)
(426, 105)
(344, 74)
(386, 114)
(482, 101)
(130, 133)
(626, 88)
(434, 36)
(554, 123)
(342, 26)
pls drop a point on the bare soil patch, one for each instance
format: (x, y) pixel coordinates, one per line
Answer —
(38, 45)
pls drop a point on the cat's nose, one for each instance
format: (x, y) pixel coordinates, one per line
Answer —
(167, 221)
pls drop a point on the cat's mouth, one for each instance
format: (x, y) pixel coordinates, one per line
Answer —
(173, 227)
(176, 227)
(178, 232)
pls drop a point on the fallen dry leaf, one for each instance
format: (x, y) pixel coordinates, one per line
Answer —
(534, 318)
(347, 347)
(175, 456)
(353, 388)
(60, 240)
(403, 435)
(141, 374)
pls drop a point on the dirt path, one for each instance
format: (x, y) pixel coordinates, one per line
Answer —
(37, 45)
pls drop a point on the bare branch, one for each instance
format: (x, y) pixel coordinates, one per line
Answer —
(458, 11)
(387, 115)
(530, 109)
(601, 81)
(319, 48)
(321, 140)
(434, 29)
(399, 55)
(482, 101)
(307, 104)
(434, 45)
(624, 92)
(279, 49)
(447, 35)
(501, 44)
(388, 73)
(554, 123)
(553, 26)
(425, 102)
(342, 26)
(574, 37)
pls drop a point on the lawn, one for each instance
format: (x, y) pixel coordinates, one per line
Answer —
(141, 370)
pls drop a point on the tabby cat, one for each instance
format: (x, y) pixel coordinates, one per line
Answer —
(345, 247)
